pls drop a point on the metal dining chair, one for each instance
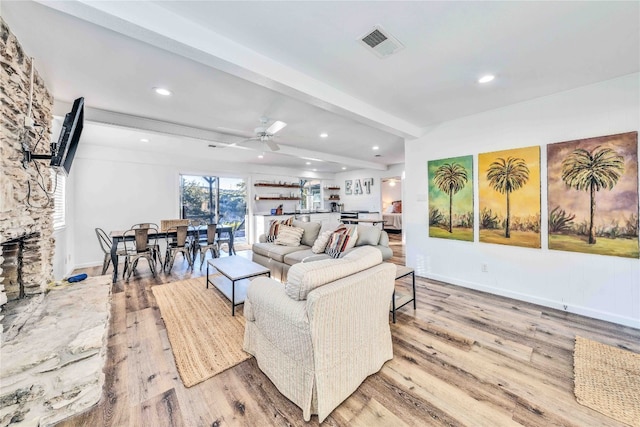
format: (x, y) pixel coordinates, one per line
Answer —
(178, 245)
(139, 248)
(154, 243)
(210, 244)
(105, 245)
(227, 239)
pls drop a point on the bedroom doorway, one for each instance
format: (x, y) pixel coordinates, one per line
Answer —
(391, 194)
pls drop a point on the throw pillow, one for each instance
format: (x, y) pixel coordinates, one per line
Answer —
(397, 206)
(272, 234)
(341, 240)
(368, 235)
(289, 236)
(389, 209)
(321, 242)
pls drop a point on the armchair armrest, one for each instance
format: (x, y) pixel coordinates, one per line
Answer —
(281, 319)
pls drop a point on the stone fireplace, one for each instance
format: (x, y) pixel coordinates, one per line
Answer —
(53, 338)
(19, 256)
(26, 228)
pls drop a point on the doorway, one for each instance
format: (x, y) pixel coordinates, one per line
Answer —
(391, 195)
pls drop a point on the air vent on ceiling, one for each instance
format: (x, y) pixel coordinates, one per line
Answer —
(380, 42)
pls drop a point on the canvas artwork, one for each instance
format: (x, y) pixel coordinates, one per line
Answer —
(451, 198)
(593, 195)
(509, 192)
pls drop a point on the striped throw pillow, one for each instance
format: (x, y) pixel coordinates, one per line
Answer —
(272, 235)
(289, 236)
(342, 239)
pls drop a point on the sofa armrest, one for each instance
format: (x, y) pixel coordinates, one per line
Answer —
(281, 319)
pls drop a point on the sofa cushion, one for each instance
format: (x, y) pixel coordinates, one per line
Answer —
(276, 252)
(342, 239)
(306, 255)
(311, 231)
(289, 236)
(272, 234)
(321, 242)
(304, 277)
(368, 235)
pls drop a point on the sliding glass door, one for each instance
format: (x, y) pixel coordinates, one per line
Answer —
(214, 199)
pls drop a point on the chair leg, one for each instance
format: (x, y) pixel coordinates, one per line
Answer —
(106, 263)
(126, 266)
(152, 264)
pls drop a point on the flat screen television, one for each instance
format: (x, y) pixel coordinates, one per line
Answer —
(65, 149)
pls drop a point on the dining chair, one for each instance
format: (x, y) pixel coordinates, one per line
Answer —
(210, 244)
(153, 242)
(196, 239)
(139, 248)
(105, 245)
(179, 244)
(227, 238)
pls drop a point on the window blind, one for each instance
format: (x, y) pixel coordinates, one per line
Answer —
(58, 200)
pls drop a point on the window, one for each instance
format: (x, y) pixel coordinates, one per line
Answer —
(310, 195)
(213, 199)
(58, 183)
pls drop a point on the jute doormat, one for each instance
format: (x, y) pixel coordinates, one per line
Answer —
(205, 338)
(607, 379)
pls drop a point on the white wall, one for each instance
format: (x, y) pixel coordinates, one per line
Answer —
(115, 188)
(603, 287)
(366, 202)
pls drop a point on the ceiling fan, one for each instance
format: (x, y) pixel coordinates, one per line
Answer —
(265, 134)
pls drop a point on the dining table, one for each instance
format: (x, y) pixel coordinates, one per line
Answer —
(118, 236)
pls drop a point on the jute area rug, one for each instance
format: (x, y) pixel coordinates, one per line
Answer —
(607, 379)
(205, 338)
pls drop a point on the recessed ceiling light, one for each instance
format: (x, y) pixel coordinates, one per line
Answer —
(344, 168)
(314, 170)
(307, 163)
(261, 156)
(144, 140)
(324, 135)
(486, 79)
(162, 91)
(375, 147)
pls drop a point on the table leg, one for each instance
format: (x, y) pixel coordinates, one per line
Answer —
(393, 302)
(413, 276)
(233, 294)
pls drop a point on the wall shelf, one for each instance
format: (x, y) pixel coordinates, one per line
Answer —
(277, 198)
(264, 184)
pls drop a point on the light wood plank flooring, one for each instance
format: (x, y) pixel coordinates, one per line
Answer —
(463, 358)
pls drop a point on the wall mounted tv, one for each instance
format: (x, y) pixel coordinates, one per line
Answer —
(65, 149)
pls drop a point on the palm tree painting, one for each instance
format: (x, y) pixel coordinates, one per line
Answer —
(509, 189)
(593, 192)
(451, 198)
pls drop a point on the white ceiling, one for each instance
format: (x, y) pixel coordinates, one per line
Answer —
(228, 63)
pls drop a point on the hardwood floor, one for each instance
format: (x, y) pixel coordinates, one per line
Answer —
(463, 358)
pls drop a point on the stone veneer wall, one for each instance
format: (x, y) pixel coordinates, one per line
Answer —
(17, 216)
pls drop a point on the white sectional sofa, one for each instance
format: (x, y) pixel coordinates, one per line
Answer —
(280, 258)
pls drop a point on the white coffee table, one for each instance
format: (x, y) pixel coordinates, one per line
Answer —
(234, 276)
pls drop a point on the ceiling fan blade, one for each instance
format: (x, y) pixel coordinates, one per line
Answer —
(272, 145)
(277, 126)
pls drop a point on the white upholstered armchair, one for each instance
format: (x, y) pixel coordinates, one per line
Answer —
(322, 333)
